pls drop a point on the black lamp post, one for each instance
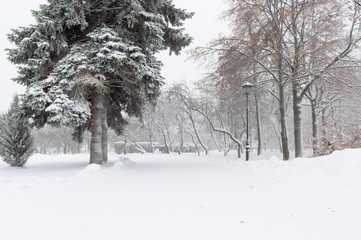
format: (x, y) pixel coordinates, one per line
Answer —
(247, 90)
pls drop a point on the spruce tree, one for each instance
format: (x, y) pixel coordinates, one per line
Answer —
(16, 144)
(86, 63)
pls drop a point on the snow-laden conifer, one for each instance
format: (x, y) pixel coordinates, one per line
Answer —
(16, 144)
(86, 62)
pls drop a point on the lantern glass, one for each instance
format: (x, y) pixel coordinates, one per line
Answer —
(247, 87)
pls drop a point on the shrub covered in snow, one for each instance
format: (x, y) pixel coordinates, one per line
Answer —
(349, 137)
(120, 147)
(147, 147)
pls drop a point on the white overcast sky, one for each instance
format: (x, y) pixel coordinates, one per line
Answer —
(204, 26)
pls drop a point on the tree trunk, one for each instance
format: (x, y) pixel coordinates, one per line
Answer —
(259, 127)
(297, 122)
(239, 149)
(277, 136)
(170, 145)
(65, 149)
(151, 142)
(96, 153)
(215, 140)
(284, 138)
(323, 122)
(181, 140)
(278, 24)
(150, 133)
(226, 147)
(297, 98)
(314, 128)
(125, 144)
(166, 146)
(194, 142)
(104, 132)
(196, 133)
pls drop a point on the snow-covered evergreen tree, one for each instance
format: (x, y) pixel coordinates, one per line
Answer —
(16, 144)
(85, 62)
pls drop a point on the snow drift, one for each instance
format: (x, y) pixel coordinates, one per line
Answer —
(182, 197)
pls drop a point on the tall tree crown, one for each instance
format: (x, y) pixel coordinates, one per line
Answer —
(77, 47)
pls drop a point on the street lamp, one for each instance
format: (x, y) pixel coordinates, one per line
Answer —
(247, 90)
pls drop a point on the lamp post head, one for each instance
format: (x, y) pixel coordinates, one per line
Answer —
(247, 87)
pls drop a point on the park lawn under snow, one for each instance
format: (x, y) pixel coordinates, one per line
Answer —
(171, 197)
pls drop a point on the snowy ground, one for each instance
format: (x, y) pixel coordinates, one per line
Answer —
(162, 197)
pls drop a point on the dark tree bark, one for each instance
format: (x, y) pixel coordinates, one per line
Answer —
(194, 142)
(170, 145)
(297, 122)
(181, 140)
(323, 118)
(105, 132)
(166, 145)
(214, 140)
(96, 147)
(314, 127)
(196, 132)
(259, 127)
(284, 138)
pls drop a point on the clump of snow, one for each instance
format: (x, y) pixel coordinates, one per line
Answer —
(274, 158)
(123, 162)
(91, 169)
(157, 151)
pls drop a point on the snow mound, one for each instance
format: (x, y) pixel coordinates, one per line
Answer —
(274, 158)
(123, 162)
(91, 169)
(157, 151)
(340, 166)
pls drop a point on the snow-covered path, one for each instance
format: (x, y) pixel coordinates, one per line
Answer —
(164, 197)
